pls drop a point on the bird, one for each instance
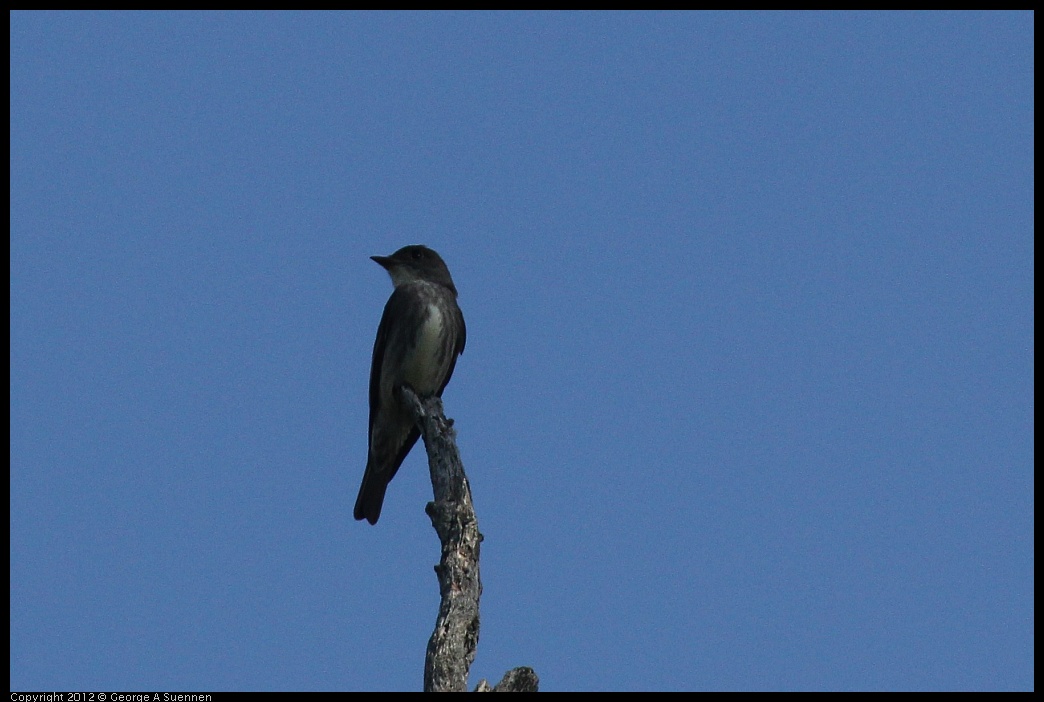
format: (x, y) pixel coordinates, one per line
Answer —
(420, 336)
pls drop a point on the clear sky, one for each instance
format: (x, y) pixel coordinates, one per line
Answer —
(747, 399)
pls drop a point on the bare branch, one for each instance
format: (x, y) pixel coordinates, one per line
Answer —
(515, 680)
(451, 648)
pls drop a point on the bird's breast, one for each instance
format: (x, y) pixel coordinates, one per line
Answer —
(425, 360)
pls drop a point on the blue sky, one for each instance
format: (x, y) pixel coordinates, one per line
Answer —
(747, 400)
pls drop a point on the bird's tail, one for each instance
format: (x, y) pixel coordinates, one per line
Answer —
(371, 496)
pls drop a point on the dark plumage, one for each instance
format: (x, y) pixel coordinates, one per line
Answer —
(419, 338)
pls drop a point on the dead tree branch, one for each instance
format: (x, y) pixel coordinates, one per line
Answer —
(451, 648)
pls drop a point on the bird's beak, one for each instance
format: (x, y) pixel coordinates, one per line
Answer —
(385, 261)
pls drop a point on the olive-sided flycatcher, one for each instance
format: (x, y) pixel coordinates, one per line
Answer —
(418, 341)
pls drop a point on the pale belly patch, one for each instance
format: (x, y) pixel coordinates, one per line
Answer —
(423, 361)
